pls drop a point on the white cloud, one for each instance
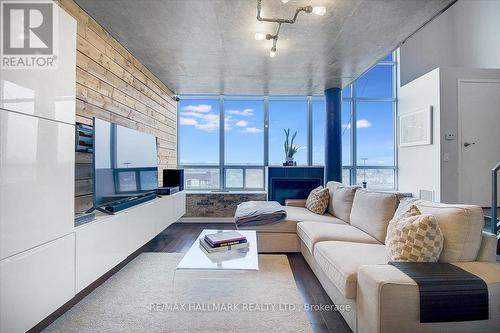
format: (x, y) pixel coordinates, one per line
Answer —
(192, 114)
(203, 108)
(242, 123)
(253, 130)
(206, 122)
(363, 123)
(188, 121)
(244, 112)
(209, 126)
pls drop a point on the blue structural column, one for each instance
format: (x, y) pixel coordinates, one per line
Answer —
(333, 136)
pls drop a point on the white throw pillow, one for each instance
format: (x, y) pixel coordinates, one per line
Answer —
(414, 237)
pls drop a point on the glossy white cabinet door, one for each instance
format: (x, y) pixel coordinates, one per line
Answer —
(35, 283)
(48, 93)
(36, 181)
(104, 243)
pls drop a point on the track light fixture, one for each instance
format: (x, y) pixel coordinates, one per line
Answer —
(261, 36)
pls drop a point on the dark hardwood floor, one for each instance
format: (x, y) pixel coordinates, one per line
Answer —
(180, 236)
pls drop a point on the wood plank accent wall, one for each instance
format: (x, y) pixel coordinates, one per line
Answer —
(113, 85)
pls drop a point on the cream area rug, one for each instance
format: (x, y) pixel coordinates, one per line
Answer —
(149, 295)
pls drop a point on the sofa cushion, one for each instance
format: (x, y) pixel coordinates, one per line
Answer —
(282, 226)
(317, 201)
(341, 260)
(341, 198)
(299, 214)
(313, 232)
(461, 226)
(372, 211)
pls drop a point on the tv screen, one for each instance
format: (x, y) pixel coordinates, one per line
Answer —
(125, 162)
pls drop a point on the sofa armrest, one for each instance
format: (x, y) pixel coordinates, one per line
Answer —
(295, 202)
(388, 301)
(488, 249)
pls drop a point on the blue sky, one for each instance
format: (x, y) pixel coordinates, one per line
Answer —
(244, 138)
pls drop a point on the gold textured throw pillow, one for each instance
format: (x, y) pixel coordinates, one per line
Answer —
(414, 237)
(317, 201)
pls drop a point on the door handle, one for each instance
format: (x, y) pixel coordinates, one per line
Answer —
(467, 144)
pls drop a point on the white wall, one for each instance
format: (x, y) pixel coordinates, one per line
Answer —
(418, 166)
(466, 35)
(436, 167)
(450, 170)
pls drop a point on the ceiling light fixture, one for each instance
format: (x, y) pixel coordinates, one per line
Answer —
(319, 10)
(272, 54)
(261, 36)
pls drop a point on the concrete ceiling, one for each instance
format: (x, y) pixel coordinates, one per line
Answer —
(207, 46)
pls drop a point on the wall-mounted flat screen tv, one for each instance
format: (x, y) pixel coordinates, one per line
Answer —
(125, 162)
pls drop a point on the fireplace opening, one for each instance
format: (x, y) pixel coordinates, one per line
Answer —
(295, 188)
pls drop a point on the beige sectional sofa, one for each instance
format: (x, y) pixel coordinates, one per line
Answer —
(345, 249)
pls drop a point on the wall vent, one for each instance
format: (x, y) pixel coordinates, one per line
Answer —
(426, 195)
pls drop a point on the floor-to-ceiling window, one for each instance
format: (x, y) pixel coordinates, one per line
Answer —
(288, 114)
(368, 128)
(225, 142)
(199, 136)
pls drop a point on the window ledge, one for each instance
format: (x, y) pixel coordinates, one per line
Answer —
(224, 192)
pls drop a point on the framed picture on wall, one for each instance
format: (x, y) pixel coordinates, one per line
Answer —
(415, 128)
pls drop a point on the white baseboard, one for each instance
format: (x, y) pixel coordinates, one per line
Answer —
(206, 220)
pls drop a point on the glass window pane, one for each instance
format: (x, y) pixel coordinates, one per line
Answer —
(346, 176)
(377, 83)
(376, 179)
(201, 179)
(234, 178)
(148, 179)
(199, 131)
(318, 131)
(254, 178)
(375, 133)
(244, 132)
(346, 133)
(285, 114)
(126, 181)
(388, 57)
(346, 92)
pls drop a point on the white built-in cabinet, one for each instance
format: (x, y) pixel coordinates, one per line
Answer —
(44, 259)
(37, 135)
(105, 242)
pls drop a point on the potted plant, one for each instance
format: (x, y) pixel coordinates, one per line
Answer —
(290, 148)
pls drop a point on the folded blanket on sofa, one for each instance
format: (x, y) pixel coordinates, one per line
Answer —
(447, 292)
(258, 213)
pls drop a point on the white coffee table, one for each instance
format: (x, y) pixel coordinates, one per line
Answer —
(197, 258)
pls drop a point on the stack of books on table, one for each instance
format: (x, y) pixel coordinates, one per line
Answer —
(224, 241)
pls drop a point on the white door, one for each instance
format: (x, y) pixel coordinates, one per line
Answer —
(479, 107)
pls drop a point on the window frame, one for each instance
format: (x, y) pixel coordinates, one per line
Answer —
(353, 99)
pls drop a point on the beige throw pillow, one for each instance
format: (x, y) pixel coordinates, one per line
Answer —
(414, 237)
(341, 198)
(317, 201)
